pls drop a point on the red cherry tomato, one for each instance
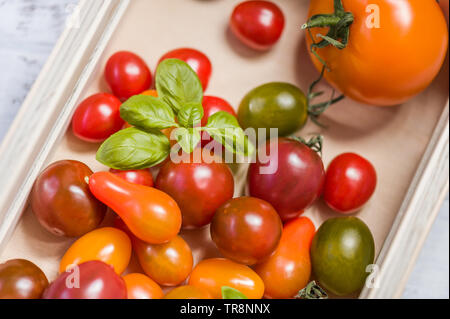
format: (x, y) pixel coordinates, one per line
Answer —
(212, 105)
(138, 176)
(294, 179)
(97, 117)
(90, 280)
(198, 188)
(350, 182)
(197, 60)
(246, 230)
(258, 24)
(127, 74)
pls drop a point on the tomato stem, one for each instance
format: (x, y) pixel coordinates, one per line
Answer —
(315, 143)
(338, 34)
(312, 291)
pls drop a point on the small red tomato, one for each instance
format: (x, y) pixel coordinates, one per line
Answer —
(97, 117)
(246, 230)
(90, 280)
(290, 178)
(349, 183)
(127, 74)
(258, 24)
(198, 188)
(138, 176)
(212, 105)
(197, 60)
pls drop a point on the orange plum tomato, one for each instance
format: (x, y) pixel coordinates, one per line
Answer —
(106, 244)
(168, 264)
(140, 286)
(288, 270)
(150, 214)
(188, 292)
(212, 274)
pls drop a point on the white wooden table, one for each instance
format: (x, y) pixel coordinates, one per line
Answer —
(28, 31)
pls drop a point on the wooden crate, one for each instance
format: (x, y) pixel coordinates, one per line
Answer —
(408, 144)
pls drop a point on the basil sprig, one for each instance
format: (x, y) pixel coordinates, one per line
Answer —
(178, 105)
(133, 148)
(147, 113)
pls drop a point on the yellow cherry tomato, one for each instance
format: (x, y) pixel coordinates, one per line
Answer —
(212, 274)
(110, 245)
(140, 286)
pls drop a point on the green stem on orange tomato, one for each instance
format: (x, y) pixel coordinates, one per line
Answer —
(339, 24)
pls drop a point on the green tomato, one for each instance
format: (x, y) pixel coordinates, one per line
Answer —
(340, 252)
(274, 105)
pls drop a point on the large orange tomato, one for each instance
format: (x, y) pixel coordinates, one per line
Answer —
(287, 271)
(110, 245)
(386, 63)
(139, 286)
(213, 274)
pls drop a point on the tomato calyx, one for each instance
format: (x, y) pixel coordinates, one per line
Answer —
(339, 28)
(312, 291)
(339, 24)
(315, 143)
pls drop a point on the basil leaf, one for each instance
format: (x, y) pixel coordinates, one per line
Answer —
(224, 128)
(177, 84)
(190, 114)
(231, 293)
(188, 138)
(147, 113)
(133, 148)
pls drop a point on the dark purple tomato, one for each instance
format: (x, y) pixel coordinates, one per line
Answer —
(62, 202)
(93, 280)
(290, 179)
(246, 230)
(21, 279)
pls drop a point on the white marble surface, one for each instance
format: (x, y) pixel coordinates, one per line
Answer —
(28, 31)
